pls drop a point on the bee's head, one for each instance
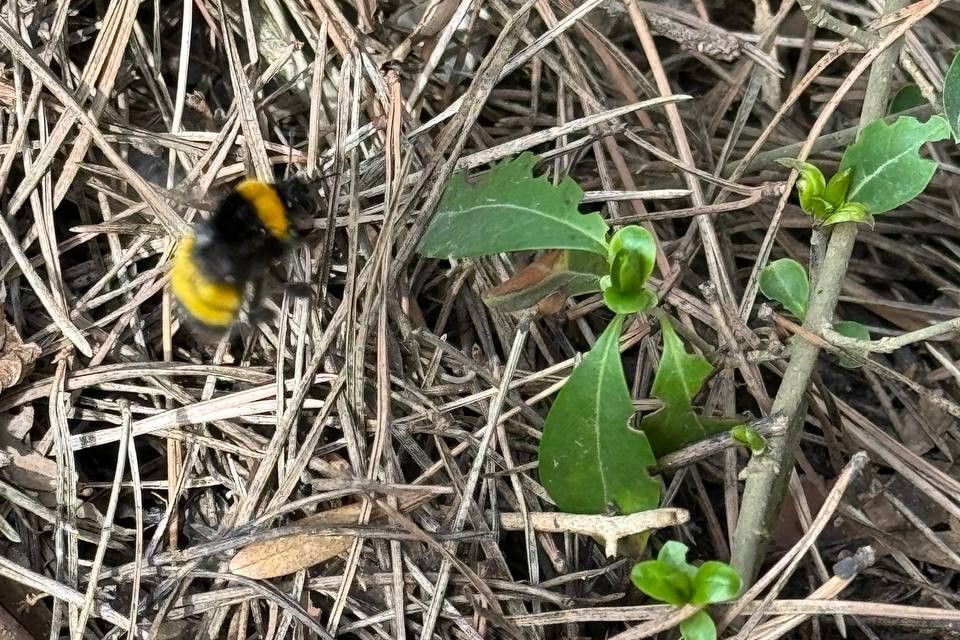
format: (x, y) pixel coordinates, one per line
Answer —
(301, 200)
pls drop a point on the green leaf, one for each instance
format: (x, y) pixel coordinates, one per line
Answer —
(836, 191)
(785, 280)
(509, 209)
(715, 582)
(951, 96)
(810, 185)
(564, 273)
(906, 99)
(632, 254)
(590, 459)
(662, 582)
(679, 378)
(750, 438)
(674, 553)
(888, 169)
(817, 207)
(851, 329)
(699, 626)
(849, 212)
(620, 302)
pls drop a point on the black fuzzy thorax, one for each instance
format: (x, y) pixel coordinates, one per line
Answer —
(234, 244)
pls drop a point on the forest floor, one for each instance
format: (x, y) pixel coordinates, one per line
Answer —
(363, 463)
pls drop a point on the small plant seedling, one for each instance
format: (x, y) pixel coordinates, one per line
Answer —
(750, 438)
(671, 579)
(680, 375)
(879, 172)
(785, 281)
(591, 460)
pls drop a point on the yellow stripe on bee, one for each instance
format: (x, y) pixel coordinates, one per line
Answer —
(267, 205)
(214, 304)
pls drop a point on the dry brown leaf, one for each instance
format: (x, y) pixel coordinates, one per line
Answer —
(16, 356)
(30, 471)
(17, 425)
(433, 19)
(283, 556)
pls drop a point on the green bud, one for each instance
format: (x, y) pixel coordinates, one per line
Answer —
(836, 190)
(818, 208)
(810, 185)
(631, 254)
(749, 437)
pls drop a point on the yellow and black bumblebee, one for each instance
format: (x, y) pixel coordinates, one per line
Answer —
(241, 243)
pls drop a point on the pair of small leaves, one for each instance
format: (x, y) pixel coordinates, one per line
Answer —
(671, 579)
(631, 257)
(680, 375)
(750, 438)
(591, 461)
(826, 201)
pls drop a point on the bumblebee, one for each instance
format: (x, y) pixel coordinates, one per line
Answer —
(250, 231)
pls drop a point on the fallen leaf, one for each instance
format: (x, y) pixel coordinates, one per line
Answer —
(283, 556)
(17, 425)
(551, 278)
(434, 16)
(16, 356)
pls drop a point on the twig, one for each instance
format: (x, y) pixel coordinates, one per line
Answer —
(818, 15)
(892, 343)
(608, 529)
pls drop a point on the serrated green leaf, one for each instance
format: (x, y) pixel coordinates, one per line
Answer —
(849, 212)
(715, 582)
(679, 377)
(855, 330)
(888, 169)
(907, 98)
(785, 280)
(662, 582)
(591, 461)
(749, 438)
(836, 190)
(509, 209)
(568, 273)
(951, 96)
(699, 626)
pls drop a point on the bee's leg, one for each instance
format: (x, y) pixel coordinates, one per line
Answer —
(258, 312)
(295, 289)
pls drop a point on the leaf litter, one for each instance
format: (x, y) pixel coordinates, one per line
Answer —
(390, 375)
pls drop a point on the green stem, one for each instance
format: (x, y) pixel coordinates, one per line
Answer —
(767, 474)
